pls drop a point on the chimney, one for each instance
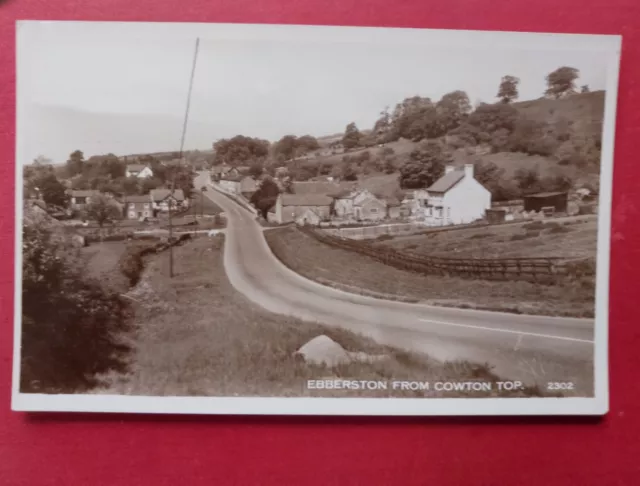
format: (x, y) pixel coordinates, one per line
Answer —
(449, 168)
(468, 170)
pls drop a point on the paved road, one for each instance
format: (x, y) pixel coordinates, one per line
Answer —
(531, 348)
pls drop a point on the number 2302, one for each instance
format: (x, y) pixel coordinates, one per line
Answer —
(555, 385)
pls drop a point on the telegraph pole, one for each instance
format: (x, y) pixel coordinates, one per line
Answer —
(184, 131)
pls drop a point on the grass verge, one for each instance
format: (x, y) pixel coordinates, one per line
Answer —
(195, 335)
(323, 263)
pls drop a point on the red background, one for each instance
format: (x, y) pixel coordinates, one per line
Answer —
(117, 449)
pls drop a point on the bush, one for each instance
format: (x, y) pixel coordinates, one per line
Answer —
(559, 229)
(131, 264)
(478, 236)
(69, 323)
(384, 238)
(534, 225)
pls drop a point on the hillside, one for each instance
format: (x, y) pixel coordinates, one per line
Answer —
(573, 124)
(584, 111)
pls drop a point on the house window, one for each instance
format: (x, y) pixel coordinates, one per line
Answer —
(374, 210)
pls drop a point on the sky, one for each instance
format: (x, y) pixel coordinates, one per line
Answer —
(124, 91)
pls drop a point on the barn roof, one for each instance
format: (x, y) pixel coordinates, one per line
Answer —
(135, 167)
(447, 181)
(547, 194)
(306, 200)
(162, 194)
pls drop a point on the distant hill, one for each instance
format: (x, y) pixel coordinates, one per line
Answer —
(585, 111)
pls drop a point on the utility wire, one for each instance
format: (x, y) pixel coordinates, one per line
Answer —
(184, 132)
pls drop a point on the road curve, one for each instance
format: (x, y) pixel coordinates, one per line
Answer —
(530, 348)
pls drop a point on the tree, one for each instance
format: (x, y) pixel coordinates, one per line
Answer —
(426, 165)
(347, 171)
(69, 322)
(241, 150)
(265, 197)
(487, 119)
(102, 210)
(562, 82)
(52, 190)
(382, 126)
(351, 138)
(181, 177)
(508, 90)
(256, 170)
(451, 110)
(75, 163)
(528, 180)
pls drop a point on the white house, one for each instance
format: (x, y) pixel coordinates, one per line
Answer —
(138, 170)
(161, 198)
(456, 198)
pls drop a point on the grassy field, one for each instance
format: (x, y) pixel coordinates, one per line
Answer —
(357, 273)
(195, 335)
(102, 264)
(568, 239)
(200, 204)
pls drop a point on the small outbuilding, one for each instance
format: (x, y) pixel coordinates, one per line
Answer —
(543, 200)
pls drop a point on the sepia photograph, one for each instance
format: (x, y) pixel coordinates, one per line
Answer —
(271, 219)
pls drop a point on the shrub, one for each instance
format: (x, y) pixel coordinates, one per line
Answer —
(559, 229)
(480, 235)
(534, 225)
(384, 238)
(68, 321)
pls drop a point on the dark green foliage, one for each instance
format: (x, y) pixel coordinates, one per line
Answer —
(352, 136)
(426, 164)
(562, 82)
(508, 90)
(240, 150)
(69, 323)
(265, 197)
(51, 189)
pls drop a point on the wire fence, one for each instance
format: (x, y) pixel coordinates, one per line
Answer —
(548, 270)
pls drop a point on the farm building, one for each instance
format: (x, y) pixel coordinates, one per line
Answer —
(556, 200)
(80, 199)
(292, 207)
(496, 215)
(162, 198)
(359, 205)
(140, 171)
(456, 198)
(138, 207)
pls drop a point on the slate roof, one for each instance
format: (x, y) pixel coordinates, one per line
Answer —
(138, 199)
(320, 187)
(87, 193)
(306, 200)
(447, 181)
(158, 195)
(135, 167)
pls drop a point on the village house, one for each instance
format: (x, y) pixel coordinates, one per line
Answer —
(80, 199)
(230, 183)
(138, 207)
(456, 198)
(239, 185)
(162, 198)
(360, 205)
(138, 170)
(301, 208)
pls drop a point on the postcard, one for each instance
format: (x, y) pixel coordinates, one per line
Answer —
(281, 219)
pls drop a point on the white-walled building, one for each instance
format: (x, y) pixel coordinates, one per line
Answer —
(456, 198)
(138, 170)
